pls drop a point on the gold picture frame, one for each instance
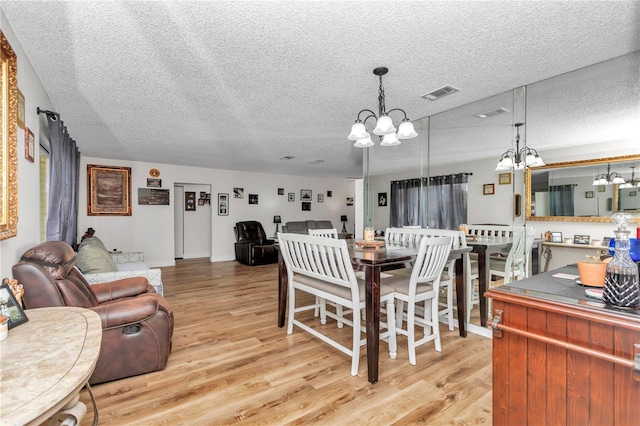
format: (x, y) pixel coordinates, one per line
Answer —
(9, 151)
(108, 190)
(504, 178)
(21, 109)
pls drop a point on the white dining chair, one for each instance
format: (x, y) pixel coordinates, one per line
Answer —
(322, 267)
(422, 286)
(327, 233)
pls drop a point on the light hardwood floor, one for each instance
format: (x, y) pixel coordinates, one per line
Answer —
(231, 364)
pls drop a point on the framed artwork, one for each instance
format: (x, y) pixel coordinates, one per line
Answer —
(601, 188)
(201, 201)
(349, 201)
(190, 201)
(306, 206)
(504, 178)
(580, 239)
(153, 197)
(253, 198)
(556, 237)
(632, 193)
(238, 192)
(203, 194)
(588, 194)
(29, 144)
(21, 109)
(329, 194)
(291, 197)
(382, 199)
(108, 190)
(488, 189)
(320, 198)
(9, 306)
(154, 183)
(223, 204)
(606, 241)
(305, 195)
(280, 191)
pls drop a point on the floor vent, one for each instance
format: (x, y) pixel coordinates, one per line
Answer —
(439, 93)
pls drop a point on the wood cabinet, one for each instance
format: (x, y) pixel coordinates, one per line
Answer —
(562, 359)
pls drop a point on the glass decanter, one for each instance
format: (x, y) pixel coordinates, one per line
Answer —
(621, 284)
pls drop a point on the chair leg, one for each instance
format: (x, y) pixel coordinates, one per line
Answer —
(292, 306)
(355, 356)
(435, 327)
(450, 305)
(399, 312)
(339, 313)
(391, 328)
(411, 333)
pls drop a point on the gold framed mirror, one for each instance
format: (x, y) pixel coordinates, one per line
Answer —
(566, 191)
(8, 153)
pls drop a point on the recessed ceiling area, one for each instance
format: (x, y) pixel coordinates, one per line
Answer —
(241, 84)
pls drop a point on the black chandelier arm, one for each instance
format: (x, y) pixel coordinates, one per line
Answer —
(398, 109)
(371, 114)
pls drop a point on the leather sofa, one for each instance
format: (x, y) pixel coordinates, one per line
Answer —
(252, 245)
(303, 226)
(137, 323)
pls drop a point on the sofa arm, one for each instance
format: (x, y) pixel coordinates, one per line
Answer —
(128, 257)
(154, 276)
(124, 312)
(128, 287)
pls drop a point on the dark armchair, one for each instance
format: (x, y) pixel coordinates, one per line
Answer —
(252, 245)
(137, 323)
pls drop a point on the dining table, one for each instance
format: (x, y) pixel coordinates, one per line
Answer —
(485, 247)
(373, 261)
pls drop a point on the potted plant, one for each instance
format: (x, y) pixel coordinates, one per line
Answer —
(592, 271)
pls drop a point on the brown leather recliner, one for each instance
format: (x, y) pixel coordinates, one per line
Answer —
(252, 245)
(137, 322)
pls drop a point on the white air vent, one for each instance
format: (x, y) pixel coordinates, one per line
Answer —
(315, 161)
(439, 93)
(492, 113)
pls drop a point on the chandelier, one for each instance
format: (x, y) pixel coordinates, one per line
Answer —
(633, 183)
(517, 159)
(608, 178)
(385, 129)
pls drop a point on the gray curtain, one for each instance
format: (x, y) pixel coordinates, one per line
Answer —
(64, 179)
(561, 200)
(437, 202)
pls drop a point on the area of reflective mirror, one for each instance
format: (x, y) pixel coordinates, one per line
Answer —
(565, 191)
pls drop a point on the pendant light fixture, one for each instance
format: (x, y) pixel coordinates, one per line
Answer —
(385, 129)
(608, 178)
(517, 159)
(633, 182)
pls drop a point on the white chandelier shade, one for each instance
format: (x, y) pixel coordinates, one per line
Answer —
(609, 178)
(385, 129)
(518, 159)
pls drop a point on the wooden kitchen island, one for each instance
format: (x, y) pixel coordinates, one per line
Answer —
(560, 357)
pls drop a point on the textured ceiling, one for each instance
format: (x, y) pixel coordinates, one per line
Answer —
(239, 84)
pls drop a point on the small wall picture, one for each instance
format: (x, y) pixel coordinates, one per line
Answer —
(581, 239)
(253, 198)
(29, 144)
(632, 193)
(601, 188)
(154, 183)
(606, 241)
(321, 198)
(291, 197)
(223, 204)
(588, 194)
(488, 189)
(190, 201)
(201, 201)
(504, 178)
(305, 195)
(382, 199)
(329, 194)
(280, 191)
(349, 201)
(238, 192)
(556, 237)
(306, 206)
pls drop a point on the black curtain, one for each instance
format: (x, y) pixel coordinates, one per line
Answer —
(64, 181)
(561, 200)
(438, 202)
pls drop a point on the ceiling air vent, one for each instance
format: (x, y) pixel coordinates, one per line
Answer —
(439, 93)
(288, 157)
(315, 161)
(492, 113)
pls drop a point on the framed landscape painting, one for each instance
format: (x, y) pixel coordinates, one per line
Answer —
(108, 190)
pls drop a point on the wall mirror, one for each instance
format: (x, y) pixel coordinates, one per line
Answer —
(8, 154)
(565, 191)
